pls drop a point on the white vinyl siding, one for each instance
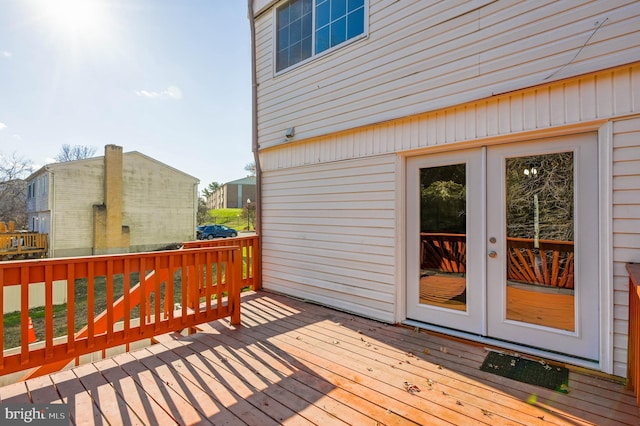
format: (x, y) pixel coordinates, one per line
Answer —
(328, 234)
(159, 203)
(594, 97)
(422, 56)
(626, 227)
(571, 106)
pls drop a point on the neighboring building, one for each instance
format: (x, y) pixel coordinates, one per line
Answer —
(118, 203)
(233, 194)
(364, 107)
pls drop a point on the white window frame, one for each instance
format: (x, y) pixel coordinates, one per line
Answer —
(314, 56)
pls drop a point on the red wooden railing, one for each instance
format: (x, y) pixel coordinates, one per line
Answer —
(633, 363)
(207, 281)
(550, 264)
(250, 248)
(444, 252)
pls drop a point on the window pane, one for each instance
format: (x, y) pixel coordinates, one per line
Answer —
(443, 239)
(338, 31)
(322, 39)
(282, 60)
(295, 9)
(283, 38)
(355, 23)
(283, 17)
(295, 31)
(295, 53)
(293, 25)
(307, 50)
(307, 6)
(322, 14)
(338, 9)
(354, 4)
(307, 27)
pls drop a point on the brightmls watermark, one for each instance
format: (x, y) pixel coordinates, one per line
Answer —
(36, 414)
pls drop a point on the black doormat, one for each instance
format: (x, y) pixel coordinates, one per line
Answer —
(537, 373)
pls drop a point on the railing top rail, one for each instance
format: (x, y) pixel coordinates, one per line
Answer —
(106, 257)
(11, 272)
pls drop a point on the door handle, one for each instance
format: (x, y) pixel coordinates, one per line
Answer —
(492, 254)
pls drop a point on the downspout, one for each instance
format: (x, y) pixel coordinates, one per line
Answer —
(254, 121)
(51, 206)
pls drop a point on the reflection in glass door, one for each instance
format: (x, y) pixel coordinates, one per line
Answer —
(539, 240)
(502, 242)
(443, 238)
(445, 259)
(542, 244)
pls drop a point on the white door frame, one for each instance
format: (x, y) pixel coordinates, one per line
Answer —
(585, 340)
(605, 321)
(471, 320)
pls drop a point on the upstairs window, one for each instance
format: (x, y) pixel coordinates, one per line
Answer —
(305, 28)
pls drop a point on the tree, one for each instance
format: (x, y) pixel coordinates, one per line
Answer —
(13, 197)
(76, 152)
(202, 216)
(209, 190)
(251, 168)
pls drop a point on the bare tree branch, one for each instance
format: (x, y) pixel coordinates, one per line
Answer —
(76, 152)
(13, 189)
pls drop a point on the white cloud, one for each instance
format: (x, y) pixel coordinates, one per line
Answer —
(16, 137)
(2, 126)
(6, 53)
(171, 92)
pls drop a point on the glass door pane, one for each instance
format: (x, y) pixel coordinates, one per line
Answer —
(443, 239)
(540, 240)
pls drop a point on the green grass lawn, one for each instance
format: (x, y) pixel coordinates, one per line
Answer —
(230, 217)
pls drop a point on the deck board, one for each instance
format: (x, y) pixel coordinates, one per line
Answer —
(296, 363)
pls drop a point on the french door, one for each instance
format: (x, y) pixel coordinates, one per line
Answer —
(502, 242)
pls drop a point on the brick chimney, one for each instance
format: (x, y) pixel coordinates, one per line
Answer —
(110, 236)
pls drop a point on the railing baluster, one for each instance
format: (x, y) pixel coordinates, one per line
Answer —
(24, 317)
(126, 285)
(209, 281)
(48, 311)
(184, 288)
(169, 291)
(109, 284)
(71, 283)
(90, 303)
(143, 296)
(158, 296)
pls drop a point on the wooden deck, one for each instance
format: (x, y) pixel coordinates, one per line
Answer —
(297, 363)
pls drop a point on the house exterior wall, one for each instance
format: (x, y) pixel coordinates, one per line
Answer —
(294, 179)
(75, 187)
(159, 203)
(328, 234)
(429, 55)
(39, 217)
(433, 77)
(626, 224)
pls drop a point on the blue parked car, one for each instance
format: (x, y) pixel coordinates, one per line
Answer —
(209, 232)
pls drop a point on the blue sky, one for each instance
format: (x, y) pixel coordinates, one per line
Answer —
(170, 79)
